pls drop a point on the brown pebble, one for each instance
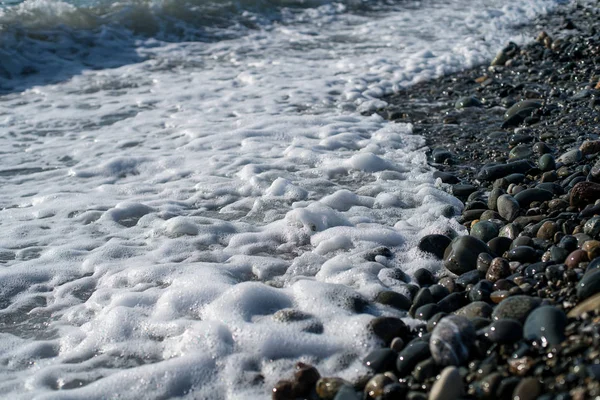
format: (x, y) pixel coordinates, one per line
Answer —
(520, 366)
(590, 147)
(306, 377)
(592, 248)
(588, 305)
(499, 268)
(499, 295)
(547, 230)
(584, 193)
(448, 283)
(575, 258)
(283, 390)
(327, 388)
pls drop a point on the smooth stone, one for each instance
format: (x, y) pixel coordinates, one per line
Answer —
(510, 231)
(546, 163)
(305, 378)
(461, 255)
(452, 302)
(438, 292)
(394, 391)
(422, 297)
(590, 147)
(546, 324)
(522, 254)
(547, 230)
(283, 390)
(468, 278)
(413, 353)
(387, 328)
(375, 385)
(591, 248)
(381, 360)
(504, 331)
(463, 190)
(499, 245)
(528, 196)
(449, 385)
(424, 277)
(509, 51)
(490, 172)
(480, 291)
(592, 227)
(516, 307)
(425, 369)
(327, 388)
(523, 108)
(570, 157)
(527, 389)
(520, 151)
(485, 230)
(483, 262)
(440, 155)
(493, 198)
(427, 311)
(446, 177)
(499, 268)
(576, 257)
(584, 193)
(393, 299)
(474, 310)
(594, 264)
(555, 188)
(451, 340)
(467, 101)
(508, 207)
(347, 392)
(588, 305)
(558, 254)
(589, 285)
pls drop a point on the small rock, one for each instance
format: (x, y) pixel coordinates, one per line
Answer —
(468, 101)
(508, 207)
(547, 325)
(424, 277)
(413, 353)
(528, 196)
(499, 268)
(492, 172)
(588, 305)
(546, 163)
(381, 360)
(327, 388)
(575, 258)
(387, 328)
(527, 389)
(461, 255)
(515, 307)
(590, 147)
(393, 299)
(589, 284)
(504, 331)
(375, 385)
(484, 230)
(440, 155)
(571, 157)
(474, 310)
(584, 193)
(451, 340)
(449, 386)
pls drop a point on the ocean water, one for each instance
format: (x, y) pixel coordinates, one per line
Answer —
(195, 195)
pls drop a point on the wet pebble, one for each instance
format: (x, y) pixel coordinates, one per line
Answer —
(413, 353)
(508, 207)
(484, 230)
(387, 328)
(515, 307)
(546, 163)
(434, 244)
(448, 386)
(499, 268)
(504, 331)
(589, 284)
(461, 255)
(380, 360)
(451, 340)
(545, 324)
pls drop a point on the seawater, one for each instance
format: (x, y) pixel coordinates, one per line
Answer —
(195, 195)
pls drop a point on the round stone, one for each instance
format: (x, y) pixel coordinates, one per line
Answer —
(499, 268)
(387, 328)
(461, 255)
(413, 353)
(516, 307)
(508, 207)
(546, 325)
(449, 386)
(468, 101)
(484, 230)
(381, 360)
(576, 257)
(451, 340)
(547, 163)
(434, 244)
(571, 157)
(504, 331)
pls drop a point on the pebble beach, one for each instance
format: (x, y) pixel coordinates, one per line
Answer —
(514, 313)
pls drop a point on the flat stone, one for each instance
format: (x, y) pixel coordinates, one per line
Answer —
(528, 196)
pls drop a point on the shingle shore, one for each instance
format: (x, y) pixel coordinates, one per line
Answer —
(515, 313)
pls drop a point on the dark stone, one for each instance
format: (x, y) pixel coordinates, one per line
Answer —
(516, 307)
(463, 190)
(499, 245)
(589, 284)
(451, 340)
(508, 207)
(347, 392)
(381, 360)
(468, 278)
(393, 299)
(547, 163)
(485, 230)
(492, 172)
(387, 328)
(446, 177)
(413, 353)
(440, 155)
(452, 302)
(423, 276)
(547, 325)
(522, 254)
(427, 311)
(504, 331)
(528, 389)
(584, 193)
(438, 292)
(468, 101)
(461, 255)
(528, 196)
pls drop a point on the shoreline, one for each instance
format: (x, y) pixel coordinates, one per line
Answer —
(516, 309)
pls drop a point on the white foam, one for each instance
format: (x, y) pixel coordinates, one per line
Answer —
(193, 224)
